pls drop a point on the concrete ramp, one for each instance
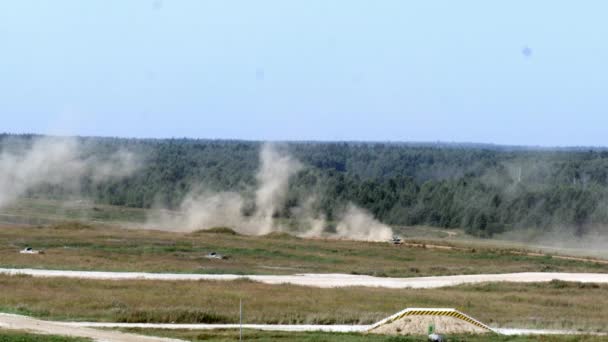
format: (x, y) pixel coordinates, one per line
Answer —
(416, 321)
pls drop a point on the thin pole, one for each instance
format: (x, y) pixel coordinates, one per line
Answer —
(241, 319)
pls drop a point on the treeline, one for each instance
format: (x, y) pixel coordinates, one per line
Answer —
(484, 190)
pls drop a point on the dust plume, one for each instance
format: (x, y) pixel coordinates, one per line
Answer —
(203, 209)
(55, 161)
(310, 222)
(354, 223)
(358, 224)
(273, 181)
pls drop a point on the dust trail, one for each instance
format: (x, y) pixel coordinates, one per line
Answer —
(202, 210)
(358, 224)
(55, 161)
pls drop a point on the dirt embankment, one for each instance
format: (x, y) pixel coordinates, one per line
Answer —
(419, 325)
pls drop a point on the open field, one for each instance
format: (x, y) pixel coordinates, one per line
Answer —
(45, 211)
(555, 305)
(102, 243)
(250, 335)
(100, 247)
(38, 211)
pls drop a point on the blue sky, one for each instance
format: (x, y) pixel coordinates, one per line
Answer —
(308, 70)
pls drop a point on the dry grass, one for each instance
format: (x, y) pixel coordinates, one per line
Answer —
(98, 247)
(550, 305)
(36, 211)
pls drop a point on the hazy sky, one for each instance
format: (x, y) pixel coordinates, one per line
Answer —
(509, 72)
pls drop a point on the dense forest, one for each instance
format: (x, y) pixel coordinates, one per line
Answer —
(484, 189)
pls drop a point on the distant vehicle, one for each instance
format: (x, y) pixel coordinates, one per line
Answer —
(214, 255)
(434, 337)
(396, 240)
(30, 250)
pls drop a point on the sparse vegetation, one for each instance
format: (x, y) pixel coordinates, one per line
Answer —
(251, 335)
(216, 230)
(102, 247)
(559, 305)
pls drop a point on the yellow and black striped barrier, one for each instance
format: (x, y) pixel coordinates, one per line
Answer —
(432, 312)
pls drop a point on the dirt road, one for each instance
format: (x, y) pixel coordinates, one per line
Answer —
(268, 327)
(18, 322)
(328, 280)
(83, 329)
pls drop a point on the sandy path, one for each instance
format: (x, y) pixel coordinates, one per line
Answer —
(328, 280)
(84, 328)
(268, 327)
(515, 331)
(18, 322)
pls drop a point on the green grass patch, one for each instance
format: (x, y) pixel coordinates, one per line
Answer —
(17, 336)
(254, 335)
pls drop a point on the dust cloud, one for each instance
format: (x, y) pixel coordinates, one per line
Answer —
(358, 224)
(561, 239)
(203, 209)
(55, 161)
(273, 182)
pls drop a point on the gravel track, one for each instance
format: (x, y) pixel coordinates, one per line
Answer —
(326, 280)
(86, 329)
